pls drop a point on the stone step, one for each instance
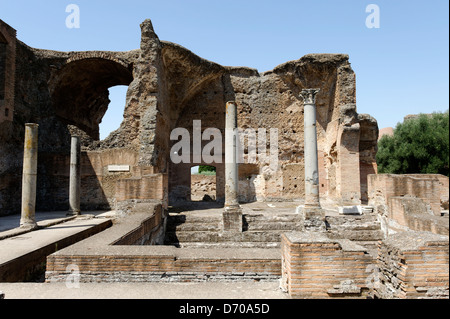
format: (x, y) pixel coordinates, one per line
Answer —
(356, 235)
(186, 227)
(215, 237)
(251, 223)
(222, 245)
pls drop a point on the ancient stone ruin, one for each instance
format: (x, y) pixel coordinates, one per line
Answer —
(320, 219)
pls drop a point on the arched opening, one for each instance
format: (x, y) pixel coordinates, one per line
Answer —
(80, 91)
(203, 184)
(114, 115)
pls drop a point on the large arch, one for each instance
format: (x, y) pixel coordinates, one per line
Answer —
(79, 90)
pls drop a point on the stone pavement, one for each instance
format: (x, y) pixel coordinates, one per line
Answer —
(203, 290)
(21, 251)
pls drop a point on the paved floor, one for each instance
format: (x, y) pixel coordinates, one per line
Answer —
(205, 290)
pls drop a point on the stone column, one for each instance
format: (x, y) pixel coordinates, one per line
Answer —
(232, 216)
(312, 214)
(29, 177)
(75, 176)
(310, 140)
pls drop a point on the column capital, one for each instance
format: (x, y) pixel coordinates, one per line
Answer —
(309, 95)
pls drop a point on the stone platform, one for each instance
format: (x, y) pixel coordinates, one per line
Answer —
(120, 255)
(23, 253)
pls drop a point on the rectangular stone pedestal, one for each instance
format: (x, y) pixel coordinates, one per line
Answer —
(232, 220)
(313, 218)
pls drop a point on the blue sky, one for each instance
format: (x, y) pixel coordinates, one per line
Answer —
(402, 67)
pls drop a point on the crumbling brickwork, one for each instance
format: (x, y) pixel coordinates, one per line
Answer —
(413, 265)
(169, 87)
(315, 266)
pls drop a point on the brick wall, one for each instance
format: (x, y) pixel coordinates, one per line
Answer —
(149, 232)
(7, 71)
(162, 268)
(144, 187)
(428, 187)
(413, 265)
(314, 266)
(348, 172)
(415, 214)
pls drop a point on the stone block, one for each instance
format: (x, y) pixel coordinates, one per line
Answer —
(232, 220)
(350, 210)
(313, 218)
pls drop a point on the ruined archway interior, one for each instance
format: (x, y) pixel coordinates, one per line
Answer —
(80, 91)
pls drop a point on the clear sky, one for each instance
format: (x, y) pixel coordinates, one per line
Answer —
(402, 67)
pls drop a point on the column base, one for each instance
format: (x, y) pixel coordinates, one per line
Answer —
(28, 225)
(313, 218)
(232, 219)
(73, 213)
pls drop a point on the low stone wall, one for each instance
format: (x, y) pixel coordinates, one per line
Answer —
(314, 266)
(413, 265)
(409, 265)
(151, 230)
(165, 264)
(412, 213)
(431, 188)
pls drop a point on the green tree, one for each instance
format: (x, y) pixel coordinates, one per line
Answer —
(419, 145)
(206, 169)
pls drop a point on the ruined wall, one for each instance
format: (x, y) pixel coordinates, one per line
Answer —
(271, 100)
(67, 93)
(314, 266)
(431, 188)
(202, 185)
(7, 71)
(413, 265)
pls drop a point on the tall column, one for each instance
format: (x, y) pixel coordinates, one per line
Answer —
(29, 177)
(232, 216)
(75, 176)
(310, 140)
(312, 214)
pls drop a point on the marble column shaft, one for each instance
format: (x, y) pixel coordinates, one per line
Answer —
(310, 148)
(29, 177)
(75, 176)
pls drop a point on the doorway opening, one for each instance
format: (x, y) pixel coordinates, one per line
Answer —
(203, 184)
